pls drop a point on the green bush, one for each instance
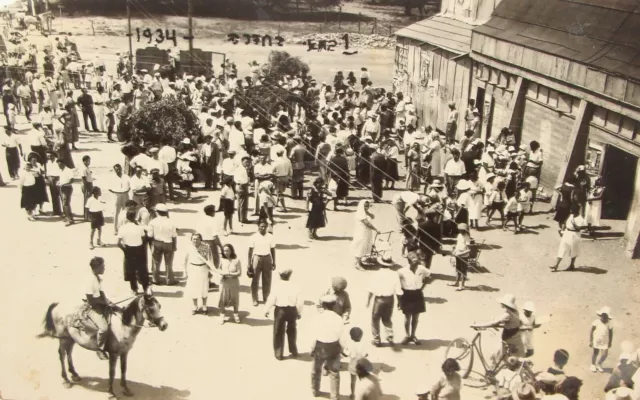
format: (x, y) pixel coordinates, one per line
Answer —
(281, 63)
(152, 123)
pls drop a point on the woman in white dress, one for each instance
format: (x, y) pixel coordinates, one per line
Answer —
(197, 265)
(477, 200)
(435, 151)
(363, 233)
(594, 205)
(570, 241)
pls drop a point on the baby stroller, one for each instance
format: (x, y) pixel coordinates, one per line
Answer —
(380, 250)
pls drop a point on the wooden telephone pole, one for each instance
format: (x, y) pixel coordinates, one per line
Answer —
(130, 38)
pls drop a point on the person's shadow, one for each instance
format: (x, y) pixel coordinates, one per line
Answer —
(141, 391)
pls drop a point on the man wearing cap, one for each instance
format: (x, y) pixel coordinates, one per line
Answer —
(384, 284)
(288, 308)
(164, 236)
(262, 261)
(452, 123)
(326, 347)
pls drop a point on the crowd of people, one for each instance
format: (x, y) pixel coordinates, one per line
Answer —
(345, 136)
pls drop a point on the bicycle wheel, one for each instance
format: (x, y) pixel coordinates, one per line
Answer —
(461, 351)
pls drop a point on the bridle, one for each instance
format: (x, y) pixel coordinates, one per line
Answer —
(153, 322)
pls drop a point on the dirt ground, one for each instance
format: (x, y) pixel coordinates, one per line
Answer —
(197, 358)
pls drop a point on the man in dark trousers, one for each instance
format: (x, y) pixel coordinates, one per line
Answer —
(429, 236)
(288, 306)
(209, 153)
(86, 103)
(378, 168)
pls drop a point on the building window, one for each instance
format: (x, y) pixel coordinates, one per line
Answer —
(402, 58)
(616, 123)
(552, 99)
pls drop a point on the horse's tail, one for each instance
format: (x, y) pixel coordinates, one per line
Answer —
(49, 325)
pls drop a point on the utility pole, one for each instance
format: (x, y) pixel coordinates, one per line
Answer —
(192, 63)
(130, 38)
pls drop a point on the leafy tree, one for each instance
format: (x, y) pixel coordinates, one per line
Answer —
(156, 121)
(281, 63)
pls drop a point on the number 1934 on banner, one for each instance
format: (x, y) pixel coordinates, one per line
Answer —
(159, 35)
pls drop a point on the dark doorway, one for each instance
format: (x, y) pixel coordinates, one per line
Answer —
(618, 173)
(480, 105)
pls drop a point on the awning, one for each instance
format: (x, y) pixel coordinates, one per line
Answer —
(446, 33)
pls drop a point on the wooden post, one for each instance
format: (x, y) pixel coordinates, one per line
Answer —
(130, 37)
(570, 145)
(190, 10)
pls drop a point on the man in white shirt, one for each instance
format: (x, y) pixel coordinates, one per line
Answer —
(262, 171)
(384, 285)
(168, 155)
(326, 348)
(164, 235)
(139, 185)
(403, 201)
(53, 176)
(454, 170)
(131, 239)
(241, 179)
(37, 140)
(209, 161)
(229, 165)
(120, 186)
(288, 308)
(371, 127)
(66, 190)
(283, 171)
(236, 137)
(262, 261)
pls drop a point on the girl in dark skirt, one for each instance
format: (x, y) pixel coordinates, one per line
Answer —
(563, 206)
(316, 205)
(29, 198)
(95, 208)
(413, 281)
(41, 185)
(227, 197)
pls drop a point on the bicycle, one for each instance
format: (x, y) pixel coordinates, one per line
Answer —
(463, 352)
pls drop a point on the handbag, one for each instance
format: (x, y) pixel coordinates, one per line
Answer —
(250, 272)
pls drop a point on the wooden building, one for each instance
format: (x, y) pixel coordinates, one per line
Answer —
(432, 62)
(567, 74)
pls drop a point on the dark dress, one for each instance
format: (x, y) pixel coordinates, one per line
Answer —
(563, 208)
(339, 167)
(378, 168)
(363, 173)
(316, 217)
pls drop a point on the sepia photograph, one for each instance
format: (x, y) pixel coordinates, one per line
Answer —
(320, 199)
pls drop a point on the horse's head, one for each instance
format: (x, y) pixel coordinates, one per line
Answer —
(151, 311)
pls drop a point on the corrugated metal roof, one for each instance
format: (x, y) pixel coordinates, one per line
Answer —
(600, 33)
(446, 33)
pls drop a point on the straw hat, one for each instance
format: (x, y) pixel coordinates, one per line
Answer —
(161, 207)
(385, 261)
(622, 393)
(508, 300)
(490, 175)
(605, 310)
(524, 392)
(463, 184)
(463, 227)
(528, 306)
(546, 377)
(437, 183)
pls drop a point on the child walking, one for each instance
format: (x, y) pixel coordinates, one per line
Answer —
(524, 202)
(528, 324)
(355, 351)
(410, 241)
(496, 202)
(600, 338)
(95, 208)
(227, 198)
(511, 210)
